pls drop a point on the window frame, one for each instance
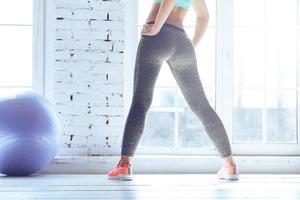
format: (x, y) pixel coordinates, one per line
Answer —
(44, 48)
(224, 88)
(270, 149)
(38, 46)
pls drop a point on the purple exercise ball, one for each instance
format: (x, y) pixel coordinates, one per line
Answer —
(29, 134)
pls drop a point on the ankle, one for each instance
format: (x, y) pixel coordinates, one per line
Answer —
(125, 159)
(123, 163)
(229, 164)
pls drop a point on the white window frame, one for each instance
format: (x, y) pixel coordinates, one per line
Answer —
(43, 47)
(224, 85)
(37, 50)
(226, 56)
(37, 45)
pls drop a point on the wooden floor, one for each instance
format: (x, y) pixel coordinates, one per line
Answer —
(145, 186)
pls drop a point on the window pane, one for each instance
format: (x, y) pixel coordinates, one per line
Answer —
(16, 12)
(281, 13)
(165, 77)
(159, 129)
(248, 113)
(191, 130)
(281, 116)
(16, 56)
(281, 57)
(249, 57)
(163, 97)
(11, 92)
(248, 12)
(281, 37)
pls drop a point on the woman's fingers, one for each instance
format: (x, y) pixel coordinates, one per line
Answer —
(146, 29)
(147, 25)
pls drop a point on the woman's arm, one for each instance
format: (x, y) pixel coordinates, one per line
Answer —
(164, 11)
(201, 22)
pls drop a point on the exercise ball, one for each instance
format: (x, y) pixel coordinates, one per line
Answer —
(29, 134)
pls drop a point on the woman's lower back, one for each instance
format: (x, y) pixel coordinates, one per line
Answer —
(176, 16)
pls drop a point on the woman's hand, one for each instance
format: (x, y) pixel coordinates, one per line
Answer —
(149, 29)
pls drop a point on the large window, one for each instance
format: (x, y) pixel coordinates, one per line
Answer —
(248, 62)
(16, 30)
(265, 71)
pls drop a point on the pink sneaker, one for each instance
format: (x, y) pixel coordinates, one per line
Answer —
(121, 173)
(228, 173)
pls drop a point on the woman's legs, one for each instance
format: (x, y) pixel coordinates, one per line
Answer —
(179, 53)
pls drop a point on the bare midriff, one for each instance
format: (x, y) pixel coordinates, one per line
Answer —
(176, 16)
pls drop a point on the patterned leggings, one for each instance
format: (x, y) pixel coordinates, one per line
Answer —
(173, 46)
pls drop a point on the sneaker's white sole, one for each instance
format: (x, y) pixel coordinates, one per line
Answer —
(121, 177)
(230, 177)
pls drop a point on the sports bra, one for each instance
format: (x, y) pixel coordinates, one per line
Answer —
(180, 3)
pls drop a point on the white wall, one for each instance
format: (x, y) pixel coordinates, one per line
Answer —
(88, 90)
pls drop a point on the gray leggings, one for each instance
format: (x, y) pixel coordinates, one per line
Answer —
(173, 46)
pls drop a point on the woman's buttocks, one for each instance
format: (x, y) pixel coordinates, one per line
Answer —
(160, 46)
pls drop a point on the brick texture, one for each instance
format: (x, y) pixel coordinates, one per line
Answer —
(89, 76)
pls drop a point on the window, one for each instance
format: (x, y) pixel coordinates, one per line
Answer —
(265, 49)
(16, 39)
(248, 62)
(265, 52)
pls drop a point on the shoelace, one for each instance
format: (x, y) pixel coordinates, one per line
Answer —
(125, 165)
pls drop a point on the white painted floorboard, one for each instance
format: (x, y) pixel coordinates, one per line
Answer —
(148, 186)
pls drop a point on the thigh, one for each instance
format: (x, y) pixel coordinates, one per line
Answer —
(147, 66)
(183, 65)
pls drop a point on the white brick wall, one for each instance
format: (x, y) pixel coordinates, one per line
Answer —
(89, 75)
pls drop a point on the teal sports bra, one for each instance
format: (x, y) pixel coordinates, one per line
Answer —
(180, 3)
